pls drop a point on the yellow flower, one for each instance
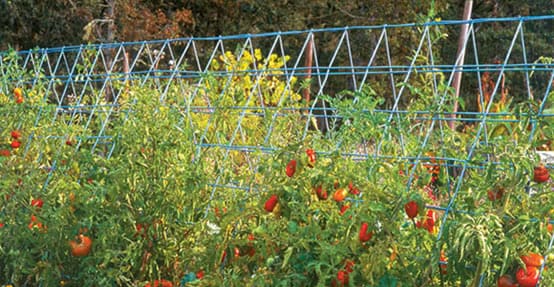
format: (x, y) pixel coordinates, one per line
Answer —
(258, 54)
(246, 56)
(215, 64)
(293, 81)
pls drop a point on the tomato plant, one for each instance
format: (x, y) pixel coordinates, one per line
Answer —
(168, 185)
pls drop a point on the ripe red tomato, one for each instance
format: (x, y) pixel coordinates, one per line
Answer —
(532, 259)
(218, 211)
(4, 152)
(15, 144)
(344, 208)
(81, 247)
(271, 203)
(541, 174)
(35, 223)
(200, 274)
(527, 278)
(15, 134)
(311, 157)
(37, 202)
(364, 235)
(249, 250)
(429, 222)
(354, 190)
(68, 142)
(411, 209)
(431, 218)
(342, 277)
(506, 281)
(340, 194)
(348, 265)
(291, 168)
(321, 193)
(495, 194)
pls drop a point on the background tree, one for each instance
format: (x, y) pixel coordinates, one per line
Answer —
(495, 39)
(34, 23)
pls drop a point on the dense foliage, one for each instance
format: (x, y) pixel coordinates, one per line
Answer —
(188, 190)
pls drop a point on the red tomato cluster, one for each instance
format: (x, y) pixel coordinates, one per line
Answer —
(15, 143)
(321, 193)
(343, 275)
(527, 276)
(429, 222)
(353, 190)
(18, 95)
(35, 223)
(290, 169)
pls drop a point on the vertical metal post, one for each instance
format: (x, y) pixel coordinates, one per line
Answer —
(460, 54)
(308, 64)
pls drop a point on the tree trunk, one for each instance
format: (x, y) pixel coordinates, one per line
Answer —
(109, 38)
(456, 82)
